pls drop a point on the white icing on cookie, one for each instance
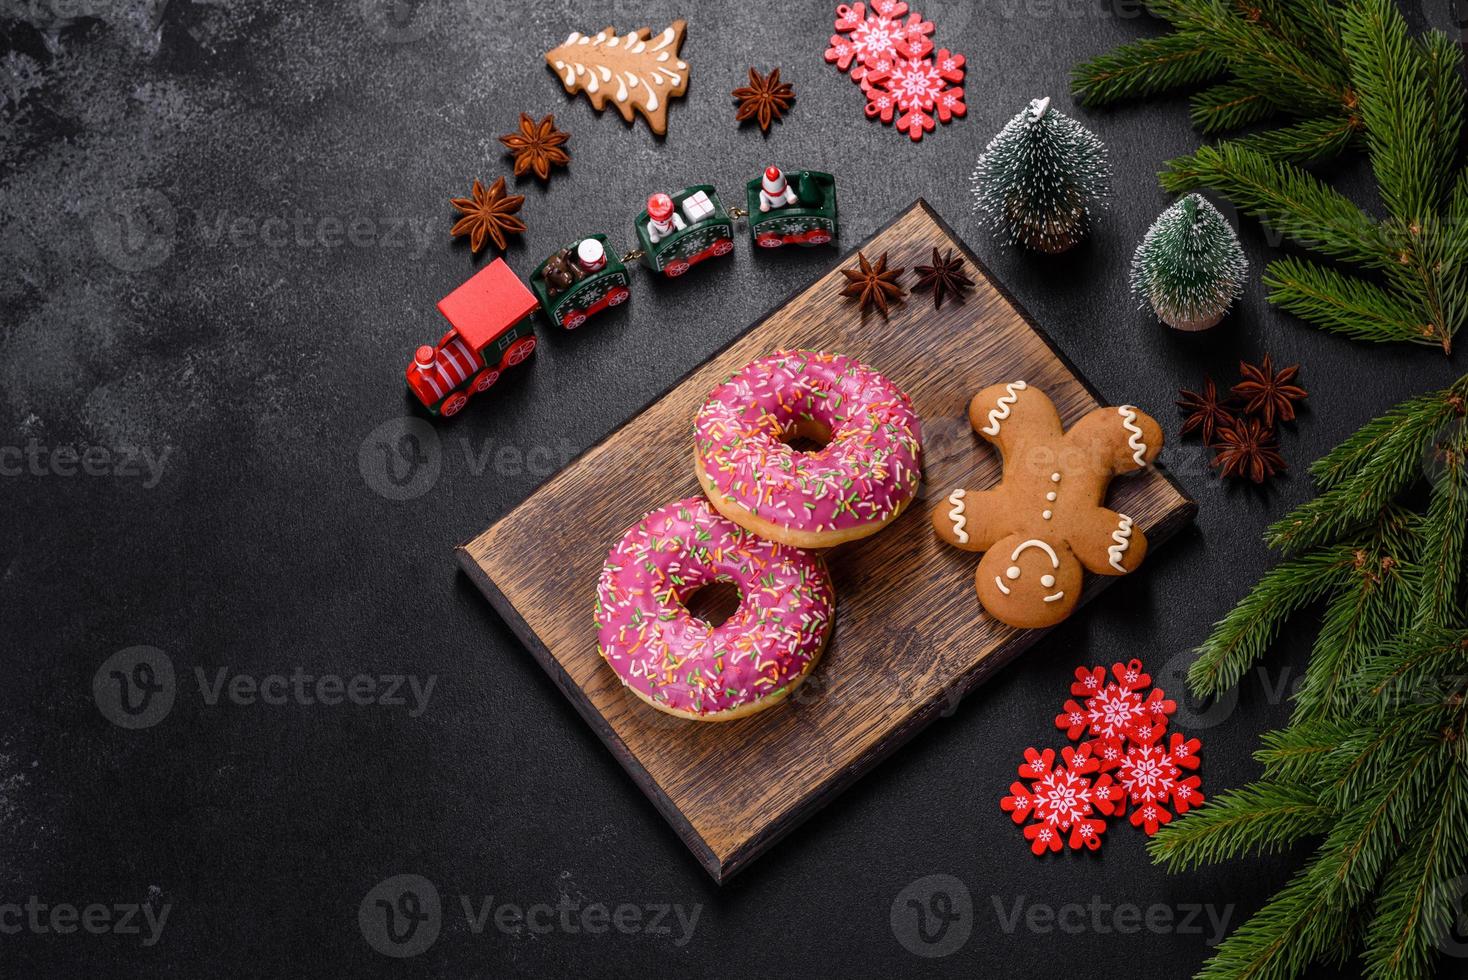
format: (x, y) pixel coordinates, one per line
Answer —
(1134, 441)
(1036, 543)
(1047, 581)
(1002, 587)
(955, 514)
(1123, 538)
(1052, 598)
(1006, 400)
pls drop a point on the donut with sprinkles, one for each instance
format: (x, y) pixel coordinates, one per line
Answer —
(859, 481)
(679, 663)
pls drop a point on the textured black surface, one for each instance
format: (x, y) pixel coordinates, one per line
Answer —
(224, 337)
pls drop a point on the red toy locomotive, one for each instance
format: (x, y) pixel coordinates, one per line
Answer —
(490, 331)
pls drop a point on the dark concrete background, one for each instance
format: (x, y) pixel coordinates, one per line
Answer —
(175, 181)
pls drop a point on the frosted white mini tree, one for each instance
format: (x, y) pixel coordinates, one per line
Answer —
(1041, 178)
(1190, 266)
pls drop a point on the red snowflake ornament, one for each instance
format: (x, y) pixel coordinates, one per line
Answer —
(1125, 762)
(1151, 777)
(892, 59)
(1060, 800)
(920, 88)
(1111, 709)
(873, 41)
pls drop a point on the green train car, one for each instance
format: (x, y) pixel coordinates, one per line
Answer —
(811, 220)
(580, 281)
(701, 229)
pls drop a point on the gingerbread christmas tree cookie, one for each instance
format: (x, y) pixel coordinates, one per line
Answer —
(1044, 523)
(633, 71)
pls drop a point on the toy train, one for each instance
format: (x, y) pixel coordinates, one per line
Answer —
(490, 315)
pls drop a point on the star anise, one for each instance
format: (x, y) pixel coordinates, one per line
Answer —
(1247, 449)
(1205, 412)
(537, 146)
(1267, 393)
(488, 212)
(873, 285)
(945, 277)
(765, 99)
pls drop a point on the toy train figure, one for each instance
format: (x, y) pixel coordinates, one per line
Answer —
(490, 315)
(677, 232)
(781, 214)
(490, 330)
(580, 281)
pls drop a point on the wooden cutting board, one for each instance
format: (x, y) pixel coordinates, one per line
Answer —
(910, 637)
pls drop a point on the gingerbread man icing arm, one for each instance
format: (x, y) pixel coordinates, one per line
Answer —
(972, 520)
(1117, 439)
(1112, 544)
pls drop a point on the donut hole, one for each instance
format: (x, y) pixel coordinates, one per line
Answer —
(714, 603)
(807, 436)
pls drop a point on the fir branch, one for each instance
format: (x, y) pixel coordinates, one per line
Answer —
(1264, 58)
(1146, 67)
(1307, 141)
(1425, 668)
(1361, 615)
(1240, 638)
(1299, 923)
(1344, 304)
(1286, 198)
(1443, 532)
(1416, 907)
(1298, 754)
(1374, 753)
(1279, 940)
(1229, 105)
(1351, 458)
(1317, 27)
(1442, 58)
(1392, 85)
(1366, 838)
(1257, 818)
(1365, 493)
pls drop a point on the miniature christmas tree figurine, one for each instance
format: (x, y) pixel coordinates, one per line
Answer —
(1190, 266)
(1040, 178)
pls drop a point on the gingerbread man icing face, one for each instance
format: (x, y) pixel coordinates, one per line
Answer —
(1044, 522)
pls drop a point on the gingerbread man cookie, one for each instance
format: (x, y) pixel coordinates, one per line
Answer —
(1044, 522)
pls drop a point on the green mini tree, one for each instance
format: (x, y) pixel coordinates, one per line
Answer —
(1190, 266)
(1335, 74)
(1040, 179)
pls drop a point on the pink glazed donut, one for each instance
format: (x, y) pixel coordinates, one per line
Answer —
(680, 664)
(863, 477)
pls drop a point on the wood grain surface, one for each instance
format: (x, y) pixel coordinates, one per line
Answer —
(910, 638)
